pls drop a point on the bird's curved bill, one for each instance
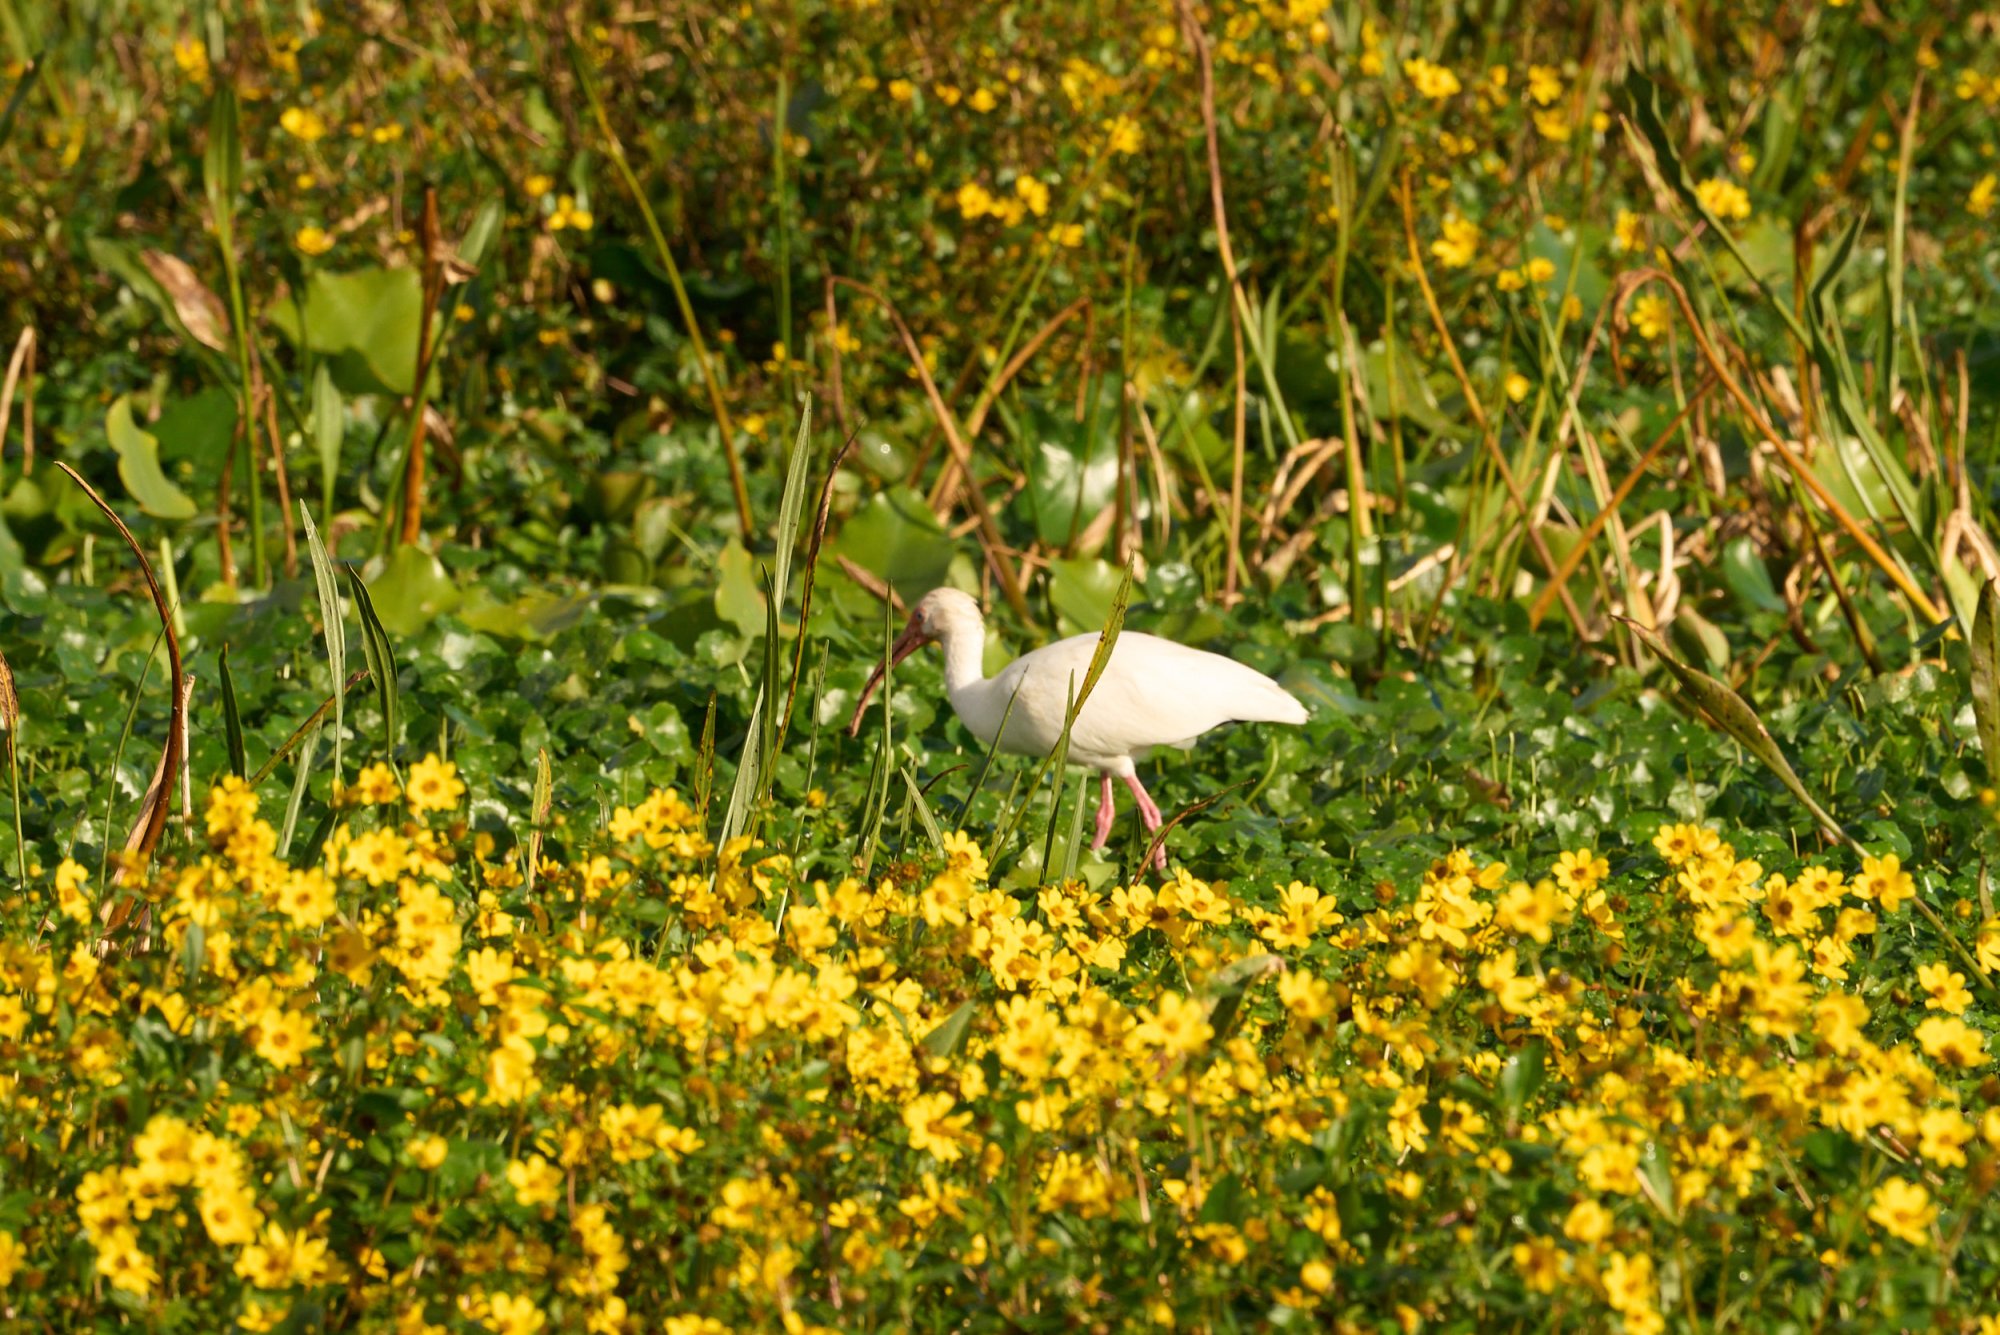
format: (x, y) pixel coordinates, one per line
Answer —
(911, 640)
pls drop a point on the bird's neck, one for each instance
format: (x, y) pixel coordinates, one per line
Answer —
(964, 657)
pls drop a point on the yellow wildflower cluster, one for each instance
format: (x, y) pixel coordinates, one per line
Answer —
(419, 1090)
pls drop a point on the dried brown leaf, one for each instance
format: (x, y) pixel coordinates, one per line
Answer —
(199, 309)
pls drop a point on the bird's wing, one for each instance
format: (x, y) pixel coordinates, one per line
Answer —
(1155, 692)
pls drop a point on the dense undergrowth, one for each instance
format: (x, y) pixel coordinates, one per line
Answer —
(1584, 410)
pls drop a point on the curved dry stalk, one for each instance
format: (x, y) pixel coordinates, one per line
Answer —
(989, 530)
(1191, 29)
(1487, 436)
(1540, 609)
(1630, 283)
(22, 361)
(155, 822)
(942, 493)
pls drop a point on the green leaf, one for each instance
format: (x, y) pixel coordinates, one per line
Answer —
(412, 590)
(1229, 987)
(222, 158)
(1084, 590)
(896, 536)
(1072, 472)
(368, 320)
(1224, 1203)
(1730, 712)
(1523, 1075)
(232, 721)
(1748, 578)
(1985, 653)
(381, 662)
(329, 430)
(139, 465)
(949, 1036)
(333, 626)
(738, 600)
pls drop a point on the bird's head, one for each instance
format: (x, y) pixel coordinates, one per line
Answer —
(940, 614)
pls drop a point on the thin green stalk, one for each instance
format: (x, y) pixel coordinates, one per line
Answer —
(779, 118)
(724, 426)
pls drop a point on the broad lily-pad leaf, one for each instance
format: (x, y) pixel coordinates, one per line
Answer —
(1072, 473)
(897, 537)
(411, 589)
(1735, 717)
(536, 617)
(199, 430)
(139, 465)
(369, 319)
(738, 599)
(1985, 653)
(1083, 591)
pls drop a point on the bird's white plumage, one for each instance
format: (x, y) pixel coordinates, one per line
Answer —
(1153, 692)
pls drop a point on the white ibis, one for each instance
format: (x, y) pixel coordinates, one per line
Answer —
(1153, 693)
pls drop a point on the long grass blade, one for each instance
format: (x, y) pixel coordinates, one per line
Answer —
(333, 628)
(232, 721)
(170, 762)
(301, 780)
(381, 658)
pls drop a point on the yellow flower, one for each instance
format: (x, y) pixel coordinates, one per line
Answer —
(1984, 192)
(973, 201)
(1433, 81)
(1626, 235)
(11, 1253)
(282, 1258)
(427, 1152)
(1725, 199)
(1033, 193)
(1652, 317)
(192, 56)
(1904, 1210)
(1944, 990)
(934, 1128)
(1952, 1041)
(509, 1315)
(70, 896)
(1459, 245)
(567, 216)
(1122, 135)
(284, 1037)
(537, 185)
(1517, 387)
(1544, 84)
(434, 786)
(312, 240)
(901, 90)
(535, 1180)
(982, 101)
(303, 123)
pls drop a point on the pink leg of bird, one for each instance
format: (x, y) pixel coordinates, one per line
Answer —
(1104, 812)
(1150, 814)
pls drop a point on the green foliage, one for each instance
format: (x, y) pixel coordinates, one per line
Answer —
(988, 246)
